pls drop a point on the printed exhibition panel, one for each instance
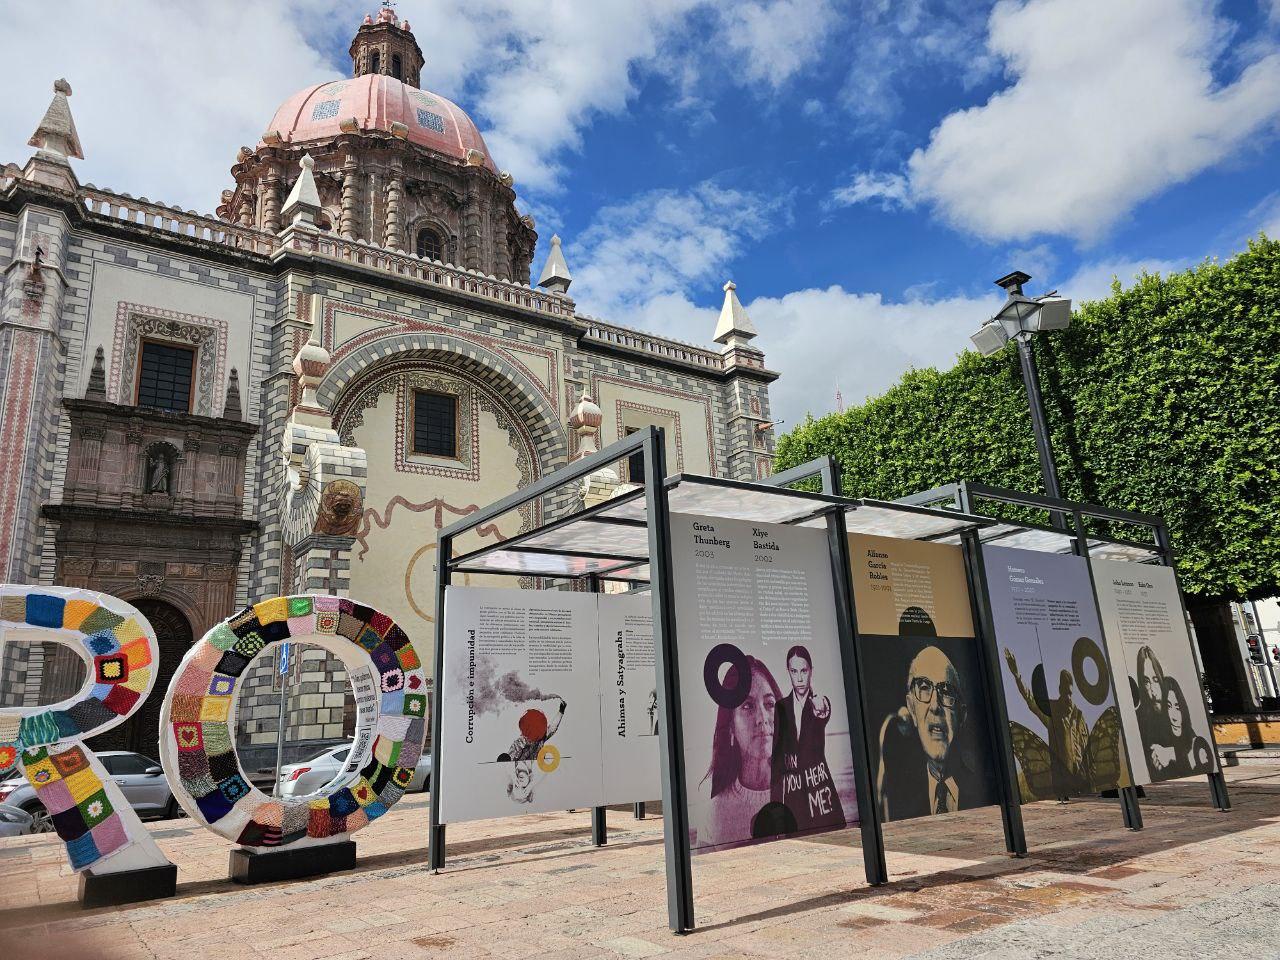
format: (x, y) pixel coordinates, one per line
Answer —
(521, 711)
(1063, 717)
(932, 752)
(1167, 728)
(628, 699)
(550, 702)
(755, 615)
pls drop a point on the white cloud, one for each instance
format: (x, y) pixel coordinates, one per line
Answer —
(864, 342)
(636, 260)
(1092, 281)
(1265, 215)
(775, 39)
(163, 95)
(1111, 103)
(890, 189)
(540, 72)
(641, 261)
(899, 43)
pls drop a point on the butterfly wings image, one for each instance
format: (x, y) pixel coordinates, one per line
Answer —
(1044, 776)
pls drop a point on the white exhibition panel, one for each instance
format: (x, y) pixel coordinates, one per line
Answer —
(1147, 637)
(530, 721)
(746, 594)
(628, 699)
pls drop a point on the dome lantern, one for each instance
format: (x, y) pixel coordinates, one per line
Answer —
(385, 45)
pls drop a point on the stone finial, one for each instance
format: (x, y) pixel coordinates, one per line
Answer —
(312, 362)
(231, 404)
(56, 135)
(304, 200)
(734, 327)
(97, 389)
(585, 420)
(555, 272)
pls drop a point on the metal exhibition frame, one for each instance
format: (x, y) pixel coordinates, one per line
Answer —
(827, 471)
(1080, 541)
(604, 543)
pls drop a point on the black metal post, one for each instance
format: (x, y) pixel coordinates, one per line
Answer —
(435, 836)
(1040, 424)
(1015, 837)
(1128, 796)
(860, 733)
(638, 812)
(1217, 782)
(599, 831)
(675, 805)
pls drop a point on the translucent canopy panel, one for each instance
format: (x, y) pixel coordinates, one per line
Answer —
(1033, 538)
(523, 562)
(884, 519)
(733, 501)
(594, 536)
(1102, 550)
(636, 574)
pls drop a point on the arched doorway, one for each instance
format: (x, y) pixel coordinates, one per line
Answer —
(141, 732)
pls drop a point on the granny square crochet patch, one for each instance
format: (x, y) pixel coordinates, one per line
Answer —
(112, 668)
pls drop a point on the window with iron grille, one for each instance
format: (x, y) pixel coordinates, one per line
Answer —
(164, 377)
(435, 424)
(430, 245)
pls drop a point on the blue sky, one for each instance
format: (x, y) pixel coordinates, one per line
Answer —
(861, 170)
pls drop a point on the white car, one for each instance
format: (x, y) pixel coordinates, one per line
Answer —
(139, 778)
(14, 821)
(309, 776)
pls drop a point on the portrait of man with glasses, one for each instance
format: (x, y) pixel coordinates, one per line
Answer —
(927, 764)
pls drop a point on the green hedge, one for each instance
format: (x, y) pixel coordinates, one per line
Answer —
(1163, 398)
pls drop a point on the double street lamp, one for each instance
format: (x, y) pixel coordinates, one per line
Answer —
(1019, 320)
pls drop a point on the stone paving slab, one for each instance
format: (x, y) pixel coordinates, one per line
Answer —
(1194, 883)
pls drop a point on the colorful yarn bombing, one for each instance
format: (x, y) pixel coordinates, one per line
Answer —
(77, 801)
(203, 691)
(121, 655)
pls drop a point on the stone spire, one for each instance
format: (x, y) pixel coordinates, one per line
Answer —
(97, 389)
(304, 199)
(734, 327)
(555, 273)
(56, 143)
(56, 134)
(231, 405)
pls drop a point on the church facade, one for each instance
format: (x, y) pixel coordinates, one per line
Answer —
(296, 393)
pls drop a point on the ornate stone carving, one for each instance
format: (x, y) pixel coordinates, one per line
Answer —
(340, 508)
(150, 585)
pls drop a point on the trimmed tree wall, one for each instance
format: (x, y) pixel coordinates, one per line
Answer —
(1163, 398)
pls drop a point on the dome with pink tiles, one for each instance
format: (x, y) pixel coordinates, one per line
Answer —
(375, 103)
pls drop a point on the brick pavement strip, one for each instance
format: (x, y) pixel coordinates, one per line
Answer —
(1195, 883)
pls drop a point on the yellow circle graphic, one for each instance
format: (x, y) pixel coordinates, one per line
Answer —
(548, 758)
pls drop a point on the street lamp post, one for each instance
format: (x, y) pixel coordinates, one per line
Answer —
(1019, 319)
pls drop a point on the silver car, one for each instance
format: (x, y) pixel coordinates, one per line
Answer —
(14, 822)
(139, 778)
(308, 776)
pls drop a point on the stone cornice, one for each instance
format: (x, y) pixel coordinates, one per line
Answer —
(65, 512)
(104, 410)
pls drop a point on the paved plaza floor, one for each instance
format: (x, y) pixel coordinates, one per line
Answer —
(1194, 883)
